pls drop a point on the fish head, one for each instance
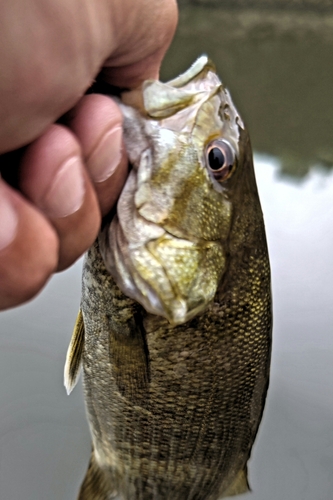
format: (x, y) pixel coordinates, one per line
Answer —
(167, 246)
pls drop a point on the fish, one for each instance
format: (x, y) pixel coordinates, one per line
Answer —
(175, 323)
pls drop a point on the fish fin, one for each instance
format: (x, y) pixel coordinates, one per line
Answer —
(129, 358)
(239, 485)
(96, 484)
(74, 355)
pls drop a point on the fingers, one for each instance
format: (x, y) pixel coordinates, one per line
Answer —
(79, 38)
(67, 178)
(97, 123)
(73, 178)
(54, 179)
(28, 248)
(147, 28)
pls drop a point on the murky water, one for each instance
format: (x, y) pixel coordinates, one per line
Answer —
(280, 72)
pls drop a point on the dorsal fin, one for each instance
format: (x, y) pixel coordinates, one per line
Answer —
(74, 355)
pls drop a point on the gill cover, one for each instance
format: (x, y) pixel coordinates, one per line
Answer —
(166, 247)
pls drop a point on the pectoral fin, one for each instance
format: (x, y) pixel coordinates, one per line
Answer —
(96, 485)
(240, 485)
(129, 358)
(74, 355)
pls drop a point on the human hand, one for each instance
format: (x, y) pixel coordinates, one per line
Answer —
(50, 53)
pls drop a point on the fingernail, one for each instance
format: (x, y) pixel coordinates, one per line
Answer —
(8, 220)
(106, 156)
(66, 193)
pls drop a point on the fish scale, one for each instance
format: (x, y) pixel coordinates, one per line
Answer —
(204, 429)
(174, 402)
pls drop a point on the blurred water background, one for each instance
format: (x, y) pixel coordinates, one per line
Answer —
(278, 65)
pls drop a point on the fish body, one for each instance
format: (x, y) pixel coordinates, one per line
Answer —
(174, 329)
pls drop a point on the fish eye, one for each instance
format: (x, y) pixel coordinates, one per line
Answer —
(220, 159)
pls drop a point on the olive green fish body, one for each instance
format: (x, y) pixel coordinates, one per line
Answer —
(175, 399)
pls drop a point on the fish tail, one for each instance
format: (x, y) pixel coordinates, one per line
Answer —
(96, 484)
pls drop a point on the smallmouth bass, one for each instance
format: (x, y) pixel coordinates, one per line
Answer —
(174, 328)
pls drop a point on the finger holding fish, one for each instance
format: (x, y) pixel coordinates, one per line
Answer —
(54, 178)
(29, 232)
(68, 172)
(97, 123)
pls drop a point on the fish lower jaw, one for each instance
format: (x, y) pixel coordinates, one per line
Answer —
(175, 311)
(178, 313)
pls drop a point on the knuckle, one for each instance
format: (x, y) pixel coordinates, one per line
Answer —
(25, 269)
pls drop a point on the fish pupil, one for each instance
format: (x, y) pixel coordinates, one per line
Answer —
(216, 159)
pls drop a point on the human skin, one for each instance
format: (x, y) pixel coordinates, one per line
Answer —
(71, 173)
